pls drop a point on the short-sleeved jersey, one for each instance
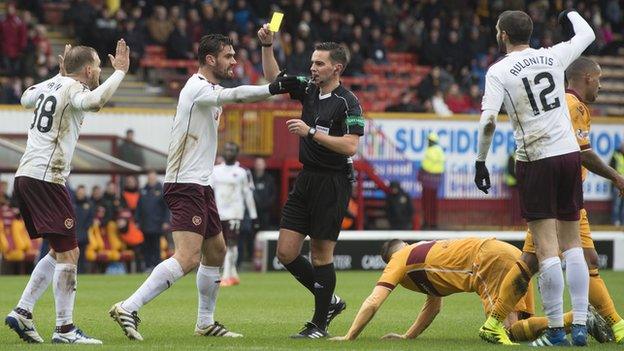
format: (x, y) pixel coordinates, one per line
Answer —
(437, 268)
(233, 190)
(581, 122)
(336, 113)
(193, 146)
(531, 85)
(54, 130)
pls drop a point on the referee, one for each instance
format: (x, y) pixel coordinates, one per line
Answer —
(329, 129)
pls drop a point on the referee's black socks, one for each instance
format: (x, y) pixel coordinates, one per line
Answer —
(303, 271)
(324, 285)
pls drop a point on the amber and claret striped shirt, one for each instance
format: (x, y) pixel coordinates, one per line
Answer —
(437, 268)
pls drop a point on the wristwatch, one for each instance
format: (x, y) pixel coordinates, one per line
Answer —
(311, 133)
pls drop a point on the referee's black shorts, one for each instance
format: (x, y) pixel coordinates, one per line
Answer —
(317, 204)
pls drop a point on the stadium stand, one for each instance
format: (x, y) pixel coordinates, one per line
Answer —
(393, 44)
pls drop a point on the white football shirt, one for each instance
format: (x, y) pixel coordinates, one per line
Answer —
(193, 145)
(60, 104)
(233, 190)
(531, 85)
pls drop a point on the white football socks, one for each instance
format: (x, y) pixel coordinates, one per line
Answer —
(64, 287)
(39, 281)
(232, 254)
(577, 276)
(162, 277)
(207, 288)
(227, 263)
(551, 288)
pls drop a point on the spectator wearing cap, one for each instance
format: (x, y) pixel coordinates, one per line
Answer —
(430, 177)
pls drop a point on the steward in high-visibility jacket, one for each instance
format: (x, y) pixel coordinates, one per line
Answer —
(430, 177)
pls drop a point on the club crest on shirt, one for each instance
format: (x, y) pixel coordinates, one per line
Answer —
(197, 220)
(69, 223)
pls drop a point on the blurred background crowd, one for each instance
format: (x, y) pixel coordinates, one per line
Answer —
(455, 38)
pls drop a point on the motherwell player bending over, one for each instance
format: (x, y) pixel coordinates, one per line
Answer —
(531, 84)
(195, 222)
(583, 76)
(60, 104)
(441, 268)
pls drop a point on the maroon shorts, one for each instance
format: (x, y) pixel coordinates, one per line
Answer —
(193, 208)
(551, 187)
(231, 231)
(47, 212)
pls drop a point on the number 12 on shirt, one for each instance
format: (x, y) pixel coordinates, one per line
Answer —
(546, 106)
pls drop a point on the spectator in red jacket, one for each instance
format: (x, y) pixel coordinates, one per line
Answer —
(475, 96)
(13, 32)
(456, 100)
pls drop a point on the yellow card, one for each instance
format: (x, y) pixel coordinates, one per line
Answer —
(276, 20)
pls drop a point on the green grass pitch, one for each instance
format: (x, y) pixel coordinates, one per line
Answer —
(266, 308)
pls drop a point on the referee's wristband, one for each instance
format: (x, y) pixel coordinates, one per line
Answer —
(266, 45)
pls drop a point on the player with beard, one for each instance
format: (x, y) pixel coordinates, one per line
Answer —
(329, 130)
(195, 221)
(60, 104)
(530, 82)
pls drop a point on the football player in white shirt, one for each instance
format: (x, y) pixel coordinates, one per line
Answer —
(43, 199)
(233, 190)
(195, 222)
(530, 82)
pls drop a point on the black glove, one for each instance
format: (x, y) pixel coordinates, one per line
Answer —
(284, 84)
(567, 30)
(482, 176)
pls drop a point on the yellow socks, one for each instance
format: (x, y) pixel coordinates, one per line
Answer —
(512, 289)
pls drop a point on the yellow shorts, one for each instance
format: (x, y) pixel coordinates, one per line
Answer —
(586, 240)
(494, 260)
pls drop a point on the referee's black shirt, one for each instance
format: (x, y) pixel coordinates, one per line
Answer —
(336, 113)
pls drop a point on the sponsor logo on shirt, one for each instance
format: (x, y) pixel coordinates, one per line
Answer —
(321, 129)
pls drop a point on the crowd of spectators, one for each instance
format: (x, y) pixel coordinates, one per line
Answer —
(140, 215)
(456, 37)
(25, 54)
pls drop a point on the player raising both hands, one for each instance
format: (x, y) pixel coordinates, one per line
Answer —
(39, 188)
